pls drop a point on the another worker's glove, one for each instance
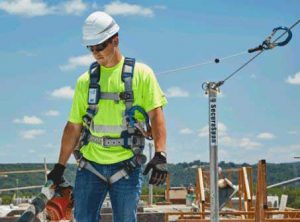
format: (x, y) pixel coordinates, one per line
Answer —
(56, 174)
(159, 169)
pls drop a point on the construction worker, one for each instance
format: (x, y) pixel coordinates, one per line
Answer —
(109, 120)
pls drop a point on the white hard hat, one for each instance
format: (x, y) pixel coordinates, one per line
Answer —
(98, 27)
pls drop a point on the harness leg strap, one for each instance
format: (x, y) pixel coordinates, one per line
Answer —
(85, 164)
(118, 175)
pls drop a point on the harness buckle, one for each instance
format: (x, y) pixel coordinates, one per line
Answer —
(84, 139)
(99, 140)
(129, 166)
(127, 96)
(137, 144)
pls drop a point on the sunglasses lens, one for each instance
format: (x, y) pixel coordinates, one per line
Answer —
(97, 48)
(100, 47)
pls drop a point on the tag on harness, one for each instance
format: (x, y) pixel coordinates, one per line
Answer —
(128, 68)
(93, 96)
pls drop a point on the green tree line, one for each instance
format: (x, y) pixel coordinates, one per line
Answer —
(182, 174)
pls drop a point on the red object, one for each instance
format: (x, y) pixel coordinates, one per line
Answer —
(60, 206)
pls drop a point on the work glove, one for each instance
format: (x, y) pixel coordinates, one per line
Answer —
(56, 174)
(159, 173)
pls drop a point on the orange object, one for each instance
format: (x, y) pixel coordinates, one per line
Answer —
(61, 205)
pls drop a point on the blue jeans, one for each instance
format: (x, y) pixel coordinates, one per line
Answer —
(90, 192)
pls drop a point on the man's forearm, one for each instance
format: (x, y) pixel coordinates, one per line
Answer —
(69, 141)
(158, 129)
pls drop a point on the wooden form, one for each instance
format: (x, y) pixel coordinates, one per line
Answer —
(247, 212)
(261, 192)
(244, 178)
(290, 216)
(168, 185)
(200, 190)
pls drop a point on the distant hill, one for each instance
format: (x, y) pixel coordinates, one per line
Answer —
(181, 173)
(185, 173)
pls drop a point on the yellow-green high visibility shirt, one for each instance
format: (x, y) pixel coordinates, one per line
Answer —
(109, 119)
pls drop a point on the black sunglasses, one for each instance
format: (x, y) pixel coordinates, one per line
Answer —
(100, 47)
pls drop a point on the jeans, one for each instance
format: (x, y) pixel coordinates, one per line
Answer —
(90, 192)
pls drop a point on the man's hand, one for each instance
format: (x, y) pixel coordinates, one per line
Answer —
(159, 169)
(56, 174)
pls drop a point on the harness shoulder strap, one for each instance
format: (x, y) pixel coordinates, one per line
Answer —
(94, 87)
(127, 76)
(94, 93)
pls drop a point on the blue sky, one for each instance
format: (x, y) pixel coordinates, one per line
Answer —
(41, 57)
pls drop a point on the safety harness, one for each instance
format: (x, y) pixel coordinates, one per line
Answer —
(134, 132)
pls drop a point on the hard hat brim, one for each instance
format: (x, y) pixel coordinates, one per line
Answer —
(98, 38)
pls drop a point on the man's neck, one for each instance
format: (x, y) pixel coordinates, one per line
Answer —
(115, 59)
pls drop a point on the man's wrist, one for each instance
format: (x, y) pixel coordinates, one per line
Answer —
(60, 166)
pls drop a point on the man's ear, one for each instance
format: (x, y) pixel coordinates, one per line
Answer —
(116, 41)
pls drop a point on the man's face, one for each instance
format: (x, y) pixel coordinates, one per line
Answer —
(104, 52)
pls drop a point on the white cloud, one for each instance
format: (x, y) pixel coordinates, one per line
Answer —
(176, 92)
(32, 8)
(50, 146)
(26, 53)
(293, 132)
(28, 8)
(248, 143)
(126, 9)
(74, 62)
(226, 140)
(186, 131)
(222, 130)
(283, 153)
(73, 7)
(161, 7)
(52, 113)
(294, 79)
(65, 92)
(265, 136)
(30, 120)
(294, 147)
(31, 134)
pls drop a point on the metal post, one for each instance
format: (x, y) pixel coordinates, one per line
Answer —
(17, 190)
(150, 197)
(46, 169)
(212, 88)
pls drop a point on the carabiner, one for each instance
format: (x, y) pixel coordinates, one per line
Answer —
(132, 120)
(267, 44)
(288, 38)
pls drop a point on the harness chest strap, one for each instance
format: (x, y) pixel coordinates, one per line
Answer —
(108, 142)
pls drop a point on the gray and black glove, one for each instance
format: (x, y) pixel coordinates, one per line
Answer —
(159, 173)
(56, 174)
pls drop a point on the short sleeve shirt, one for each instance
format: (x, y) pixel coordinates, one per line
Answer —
(147, 94)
